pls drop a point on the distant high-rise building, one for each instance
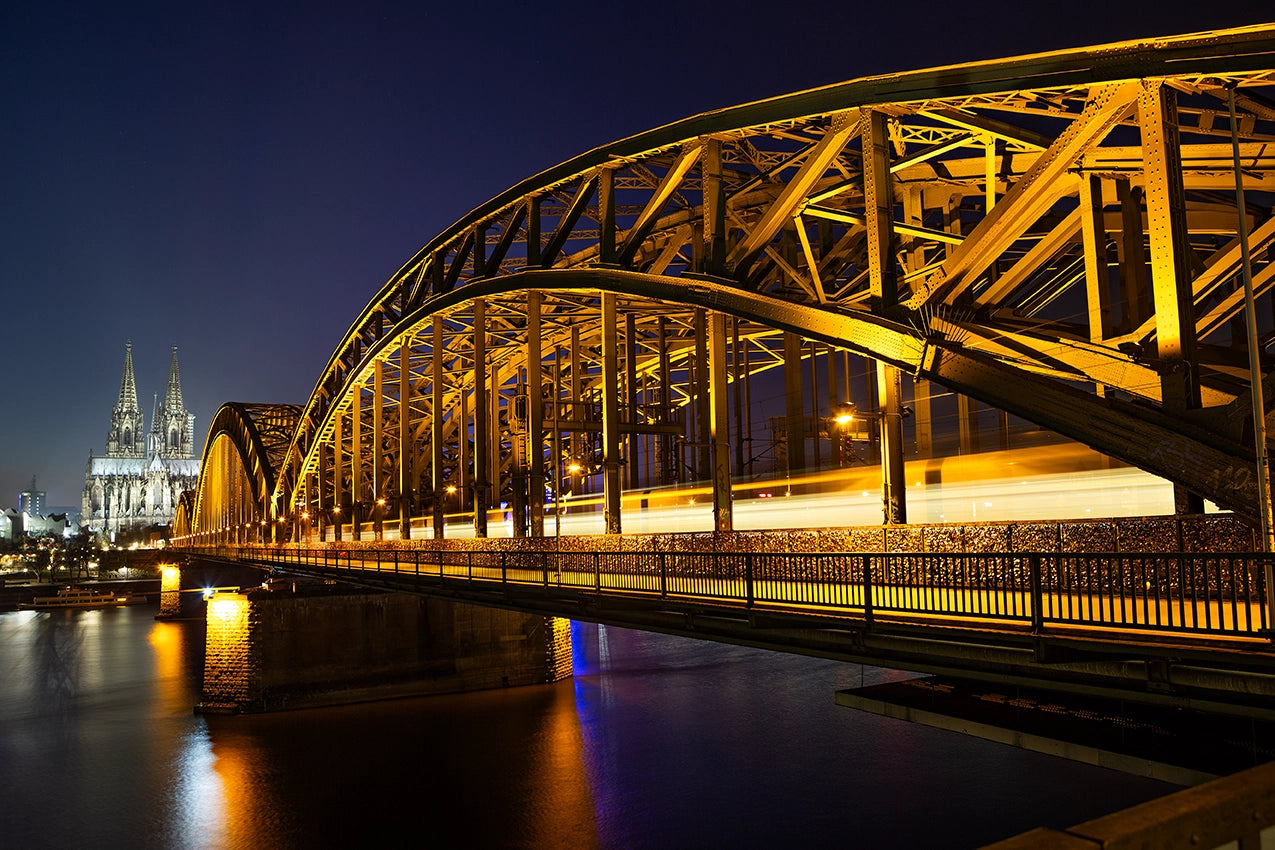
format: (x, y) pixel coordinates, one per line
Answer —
(31, 501)
(142, 476)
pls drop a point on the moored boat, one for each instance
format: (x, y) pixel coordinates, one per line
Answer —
(78, 597)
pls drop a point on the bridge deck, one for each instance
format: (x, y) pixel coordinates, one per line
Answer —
(1166, 627)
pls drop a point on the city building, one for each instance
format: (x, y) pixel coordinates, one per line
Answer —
(31, 501)
(140, 479)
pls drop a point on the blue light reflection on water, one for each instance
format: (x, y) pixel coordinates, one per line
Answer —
(658, 742)
(694, 744)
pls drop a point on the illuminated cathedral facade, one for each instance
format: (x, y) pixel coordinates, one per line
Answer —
(143, 473)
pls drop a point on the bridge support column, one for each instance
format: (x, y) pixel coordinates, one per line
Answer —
(481, 450)
(1170, 260)
(356, 465)
(666, 462)
(338, 476)
(795, 403)
(610, 416)
(967, 424)
(893, 480)
(878, 196)
(406, 457)
(377, 496)
(437, 480)
(632, 439)
(924, 419)
(535, 419)
(702, 402)
(719, 428)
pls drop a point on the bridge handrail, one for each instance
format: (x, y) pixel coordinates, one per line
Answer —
(1214, 593)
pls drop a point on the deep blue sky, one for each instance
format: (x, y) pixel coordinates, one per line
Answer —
(240, 178)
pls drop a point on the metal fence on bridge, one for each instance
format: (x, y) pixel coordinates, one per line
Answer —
(1203, 593)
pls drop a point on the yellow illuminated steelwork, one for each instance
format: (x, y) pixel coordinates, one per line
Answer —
(952, 223)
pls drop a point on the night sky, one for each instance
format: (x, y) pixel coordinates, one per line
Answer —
(239, 179)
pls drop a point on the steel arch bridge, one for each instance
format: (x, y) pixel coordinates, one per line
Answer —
(1057, 236)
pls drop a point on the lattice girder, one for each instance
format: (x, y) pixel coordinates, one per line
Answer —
(978, 224)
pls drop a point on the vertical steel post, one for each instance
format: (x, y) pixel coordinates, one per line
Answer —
(719, 428)
(576, 409)
(667, 469)
(879, 209)
(1170, 260)
(737, 395)
(631, 398)
(893, 480)
(610, 416)
(378, 453)
(556, 445)
(794, 403)
(535, 418)
(438, 482)
(1094, 235)
(479, 376)
(814, 403)
(356, 464)
(1038, 596)
(406, 455)
(494, 486)
(1132, 254)
(533, 231)
(704, 456)
(606, 216)
(967, 424)
(714, 229)
(1255, 370)
(338, 474)
(924, 420)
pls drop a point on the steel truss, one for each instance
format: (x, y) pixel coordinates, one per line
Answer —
(1053, 235)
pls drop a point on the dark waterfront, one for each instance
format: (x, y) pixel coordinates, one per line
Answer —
(658, 742)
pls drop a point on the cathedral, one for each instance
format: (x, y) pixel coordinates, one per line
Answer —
(143, 474)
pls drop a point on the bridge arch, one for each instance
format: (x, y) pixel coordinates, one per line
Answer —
(238, 472)
(1049, 234)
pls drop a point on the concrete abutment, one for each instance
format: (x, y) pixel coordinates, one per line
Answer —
(301, 646)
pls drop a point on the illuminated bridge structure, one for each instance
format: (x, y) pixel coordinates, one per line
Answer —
(1058, 238)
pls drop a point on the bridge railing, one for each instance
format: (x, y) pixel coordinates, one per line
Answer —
(1213, 593)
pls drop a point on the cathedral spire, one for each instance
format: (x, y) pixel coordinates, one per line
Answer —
(173, 396)
(177, 428)
(125, 438)
(128, 386)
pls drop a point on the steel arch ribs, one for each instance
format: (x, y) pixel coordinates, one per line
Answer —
(1005, 228)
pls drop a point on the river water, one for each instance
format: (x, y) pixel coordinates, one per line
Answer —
(658, 742)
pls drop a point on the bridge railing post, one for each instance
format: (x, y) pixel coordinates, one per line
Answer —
(470, 563)
(597, 572)
(1038, 596)
(867, 589)
(663, 575)
(417, 559)
(395, 560)
(748, 577)
(503, 569)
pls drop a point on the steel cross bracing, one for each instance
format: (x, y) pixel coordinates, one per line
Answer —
(1053, 235)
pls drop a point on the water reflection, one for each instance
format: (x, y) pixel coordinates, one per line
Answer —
(657, 742)
(197, 796)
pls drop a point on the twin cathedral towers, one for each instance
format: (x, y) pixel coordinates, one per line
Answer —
(143, 474)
